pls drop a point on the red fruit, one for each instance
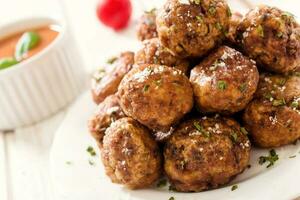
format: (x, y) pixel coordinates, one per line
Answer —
(114, 13)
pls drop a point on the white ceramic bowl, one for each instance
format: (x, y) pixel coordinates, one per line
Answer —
(43, 84)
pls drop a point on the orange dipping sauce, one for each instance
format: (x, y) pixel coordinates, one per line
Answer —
(47, 35)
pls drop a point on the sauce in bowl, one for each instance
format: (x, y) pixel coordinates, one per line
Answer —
(8, 45)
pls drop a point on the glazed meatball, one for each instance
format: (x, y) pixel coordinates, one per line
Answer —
(192, 28)
(146, 28)
(107, 112)
(273, 118)
(205, 153)
(272, 38)
(224, 82)
(154, 53)
(156, 95)
(233, 24)
(108, 85)
(130, 155)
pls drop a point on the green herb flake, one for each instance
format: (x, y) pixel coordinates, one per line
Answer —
(171, 198)
(146, 88)
(295, 104)
(68, 163)
(268, 96)
(111, 60)
(294, 156)
(212, 10)
(279, 34)
(229, 13)
(201, 130)
(92, 163)
(158, 82)
(161, 183)
(219, 26)
(243, 87)
(244, 131)
(234, 187)
(281, 81)
(197, 2)
(152, 11)
(99, 74)
(91, 151)
(272, 158)
(287, 15)
(260, 31)
(199, 18)
(234, 136)
(222, 85)
(279, 102)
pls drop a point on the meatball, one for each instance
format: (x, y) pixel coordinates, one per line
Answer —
(272, 38)
(146, 28)
(233, 24)
(224, 82)
(107, 112)
(156, 95)
(154, 53)
(130, 155)
(205, 153)
(108, 85)
(192, 28)
(273, 117)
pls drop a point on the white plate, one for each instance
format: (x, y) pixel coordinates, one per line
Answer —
(82, 181)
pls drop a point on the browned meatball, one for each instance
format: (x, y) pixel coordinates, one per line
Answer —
(234, 23)
(108, 85)
(130, 156)
(272, 38)
(192, 28)
(273, 118)
(156, 95)
(224, 82)
(107, 112)
(146, 28)
(206, 153)
(154, 53)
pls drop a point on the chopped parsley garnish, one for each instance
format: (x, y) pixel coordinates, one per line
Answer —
(295, 104)
(161, 183)
(279, 34)
(287, 15)
(294, 156)
(99, 74)
(199, 18)
(268, 96)
(219, 26)
(158, 82)
(222, 85)
(234, 136)
(201, 130)
(68, 162)
(111, 60)
(172, 188)
(197, 2)
(152, 11)
(171, 198)
(91, 151)
(279, 102)
(272, 158)
(91, 162)
(229, 13)
(212, 10)
(243, 87)
(260, 31)
(244, 131)
(281, 81)
(234, 187)
(146, 88)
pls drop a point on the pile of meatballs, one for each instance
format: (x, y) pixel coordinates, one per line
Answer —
(205, 83)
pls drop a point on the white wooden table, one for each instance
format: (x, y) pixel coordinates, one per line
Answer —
(24, 152)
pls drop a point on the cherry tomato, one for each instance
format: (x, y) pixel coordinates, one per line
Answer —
(114, 13)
